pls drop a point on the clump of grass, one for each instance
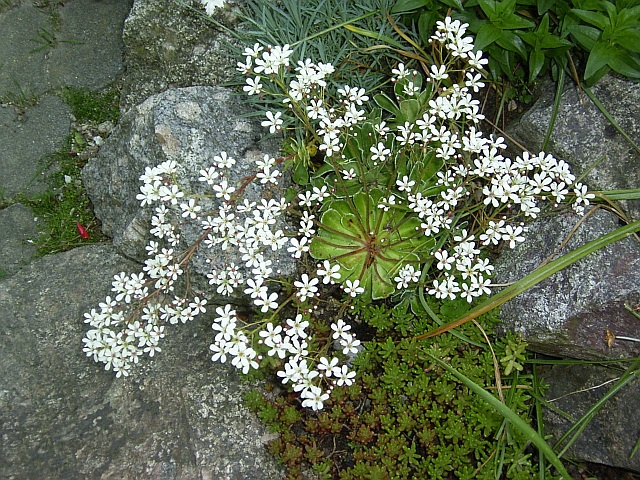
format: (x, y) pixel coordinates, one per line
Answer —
(64, 205)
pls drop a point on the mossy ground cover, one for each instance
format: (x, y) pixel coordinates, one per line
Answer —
(406, 417)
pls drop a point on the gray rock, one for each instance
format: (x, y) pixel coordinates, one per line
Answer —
(178, 416)
(23, 70)
(583, 137)
(168, 46)
(188, 125)
(567, 314)
(612, 433)
(18, 229)
(25, 141)
(96, 43)
(76, 43)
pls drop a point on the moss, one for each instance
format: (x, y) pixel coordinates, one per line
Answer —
(89, 106)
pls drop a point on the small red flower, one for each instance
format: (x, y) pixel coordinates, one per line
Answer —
(82, 231)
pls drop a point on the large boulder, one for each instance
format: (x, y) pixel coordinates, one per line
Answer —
(612, 433)
(568, 314)
(178, 416)
(572, 313)
(189, 125)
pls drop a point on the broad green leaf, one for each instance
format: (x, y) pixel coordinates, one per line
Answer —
(551, 42)
(624, 64)
(511, 41)
(457, 4)
(300, 174)
(488, 7)
(598, 58)
(410, 110)
(628, 38)
(487, 35)
(545, 5)
(514, 22)
(386, 103)
(536, 62)
(594, 18)
(585, 36)
(505, 7)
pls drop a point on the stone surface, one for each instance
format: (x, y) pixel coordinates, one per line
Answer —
(173, 46)
(567, 314)
(102, 60)
(18, 230)
(23, 70)
(612, 433)
(583, 137)
(178, 416)
(25, 140)
(190, 126)
(43, 49)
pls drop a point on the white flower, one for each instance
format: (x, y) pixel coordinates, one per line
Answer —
(266, 302)
(380, 152)
(330, 274)
(274, 122)
(513, 235)
(350, 344)
(253, 86)
(344, 376)
(211, 5)
(298, 247)
(353, 288)
(330, 367)
(314, 398)
(306, 287)
(296, 327)
(405, 184)
(339, 329)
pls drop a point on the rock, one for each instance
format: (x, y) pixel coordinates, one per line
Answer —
(567, 314)
(24, 70)
(93, 41)
(25, 141)
(42, 46)
(611, 435)
(172, 46)
(19, 228)
(583, 137)
(178, 416)
(191, 126)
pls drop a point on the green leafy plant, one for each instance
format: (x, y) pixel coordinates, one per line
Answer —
(536, 36)
(611, 36)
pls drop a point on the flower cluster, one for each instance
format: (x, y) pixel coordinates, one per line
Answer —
(435, 124)
(119, 337)
(408, 198)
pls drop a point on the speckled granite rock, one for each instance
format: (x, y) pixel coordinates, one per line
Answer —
(567, 314)
(178, 416)
(190, 126)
